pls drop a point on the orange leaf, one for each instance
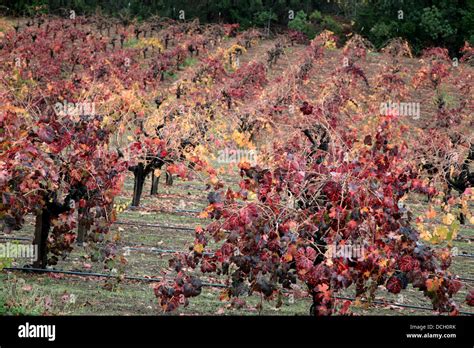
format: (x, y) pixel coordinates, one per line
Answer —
(204, 215)
(433, 284)
(224, 295)
(430, 214)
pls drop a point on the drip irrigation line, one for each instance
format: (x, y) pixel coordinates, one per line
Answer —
(177, 211)
(396, 304)
(133, 223)
(15, 238)
(172, 251)
(469, 256)
(197, 186)
(163, 251)
(187, 211)
(205, 284)
(464, 240)
(181, 198)
(99, 275)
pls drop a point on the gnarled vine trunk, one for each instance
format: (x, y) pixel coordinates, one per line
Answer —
(83, 224)
(42, 227)
(139, 180)
(154, 184)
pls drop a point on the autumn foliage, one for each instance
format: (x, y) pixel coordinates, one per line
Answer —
(324, 205)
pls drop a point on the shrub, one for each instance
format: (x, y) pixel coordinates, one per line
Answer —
(301, 23)
(330, 24)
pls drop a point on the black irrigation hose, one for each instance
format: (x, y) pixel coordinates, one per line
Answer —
(15, 238)
(397, 304)
(162, 251)
(132, 223)
(178, 211)
(182, 198)
(470, 256)
(101, 275)
(186, 211)
(172, 251)
(464, 240)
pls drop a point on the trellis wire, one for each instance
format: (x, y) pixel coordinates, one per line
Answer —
(163, 251)
(470, 256)
(396, 304)
(173, 251)
(132, 223)
(100, 275)
(176, 228)
(205, 284)
(15, 238)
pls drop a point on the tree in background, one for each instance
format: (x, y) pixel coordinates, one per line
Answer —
(422, 23)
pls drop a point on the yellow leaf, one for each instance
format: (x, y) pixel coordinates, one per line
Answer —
(199, 248)
(448, 219)
(441, 232)
(157, 172)
(359, 304)
(204, 215)
(453, 230)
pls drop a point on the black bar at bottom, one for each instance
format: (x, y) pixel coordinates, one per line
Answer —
(224, 330)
